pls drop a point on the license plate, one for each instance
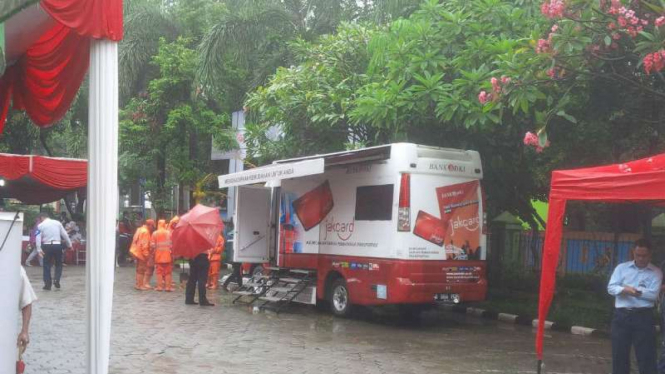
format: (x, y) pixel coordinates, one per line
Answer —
(447, 297)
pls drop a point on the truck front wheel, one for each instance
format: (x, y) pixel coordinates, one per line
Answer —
(340, 303)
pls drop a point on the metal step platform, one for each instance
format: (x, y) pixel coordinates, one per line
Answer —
(278, 289)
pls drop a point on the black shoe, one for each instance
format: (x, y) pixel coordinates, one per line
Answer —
(57, 284)
(190, 302)
(207, 303)
(47, 287)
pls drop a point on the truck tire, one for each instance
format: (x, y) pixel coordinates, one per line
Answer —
(257, 270)
(340, 303)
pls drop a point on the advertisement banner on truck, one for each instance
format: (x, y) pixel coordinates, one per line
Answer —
(458, 205)
(340, 214)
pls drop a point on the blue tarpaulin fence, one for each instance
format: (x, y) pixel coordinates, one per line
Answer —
(581, 252)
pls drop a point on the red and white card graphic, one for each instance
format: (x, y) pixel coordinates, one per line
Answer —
(458, 205)
(430, 228)
(312, 207)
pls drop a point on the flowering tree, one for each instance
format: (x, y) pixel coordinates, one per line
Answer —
(591, 51)
(509, 78)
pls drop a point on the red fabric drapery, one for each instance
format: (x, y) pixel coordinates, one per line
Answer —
(44, 82)
(99, 19)
(641, 180)
(38, 180)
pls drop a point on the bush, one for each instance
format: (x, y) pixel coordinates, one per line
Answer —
(586, 282)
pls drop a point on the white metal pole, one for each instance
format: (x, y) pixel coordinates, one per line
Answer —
(102, 201)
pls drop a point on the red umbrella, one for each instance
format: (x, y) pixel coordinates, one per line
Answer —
(197, 231)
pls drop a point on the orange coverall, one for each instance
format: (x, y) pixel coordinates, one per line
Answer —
(174, 221)
(140, 250)
(161, 245)
(215, 258)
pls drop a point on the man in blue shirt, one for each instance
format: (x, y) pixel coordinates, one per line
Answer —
(635, 286)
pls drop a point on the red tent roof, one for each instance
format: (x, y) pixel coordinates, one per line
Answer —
(39, 180)
(641, 180)
(45, 79)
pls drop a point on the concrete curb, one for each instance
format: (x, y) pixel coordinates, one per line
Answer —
(526, 320)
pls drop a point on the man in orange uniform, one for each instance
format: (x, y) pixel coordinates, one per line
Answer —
(171, 227)
(161, 244)
(140, 250)
(215, 258)
(174, 221)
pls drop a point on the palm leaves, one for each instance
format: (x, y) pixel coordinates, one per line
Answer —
(256, 35)
(145, 23)
(240, 35)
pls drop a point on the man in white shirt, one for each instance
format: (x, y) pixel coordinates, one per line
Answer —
(26, 298)
(50, 240)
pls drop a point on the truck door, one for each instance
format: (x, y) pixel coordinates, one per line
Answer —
(252, 225)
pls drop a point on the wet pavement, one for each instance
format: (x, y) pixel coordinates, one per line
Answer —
(155, 332)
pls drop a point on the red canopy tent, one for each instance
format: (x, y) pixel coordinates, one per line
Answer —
(40, 180)
(50, 45)
(48, 53)
(636, 181)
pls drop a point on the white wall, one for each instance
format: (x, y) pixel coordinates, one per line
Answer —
(10, 260)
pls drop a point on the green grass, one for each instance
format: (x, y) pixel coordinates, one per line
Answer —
(572, 307)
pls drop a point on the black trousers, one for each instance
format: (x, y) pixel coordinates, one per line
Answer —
(198, 273)
(633, 328)
(236, 275)
(52, 254)
(123, 244)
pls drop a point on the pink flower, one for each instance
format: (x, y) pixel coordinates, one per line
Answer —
(551, 73)
(654, 62)
(622, 22)
(496, 87)
(616, 36)
(505, 80)
(660, 21)
(543, 46)
(484, 97)
(553, 8)
(555, 28)
(531, 139)
(539, 149)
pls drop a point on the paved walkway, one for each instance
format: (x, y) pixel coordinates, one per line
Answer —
(155, 332)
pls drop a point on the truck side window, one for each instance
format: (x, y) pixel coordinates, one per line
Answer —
(374, 203)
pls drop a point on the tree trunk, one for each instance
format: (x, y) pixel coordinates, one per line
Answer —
(160, 197)
(70, 201)
(193, 143)
(647, 216)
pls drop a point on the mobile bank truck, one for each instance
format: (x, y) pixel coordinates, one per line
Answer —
(393, 224)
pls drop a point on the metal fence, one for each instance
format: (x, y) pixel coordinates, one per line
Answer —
(581, 252)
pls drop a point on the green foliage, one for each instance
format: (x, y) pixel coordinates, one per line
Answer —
(414, 80)
(170, 127)
(311, 102)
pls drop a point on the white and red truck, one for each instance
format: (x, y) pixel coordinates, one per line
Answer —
(394, 224)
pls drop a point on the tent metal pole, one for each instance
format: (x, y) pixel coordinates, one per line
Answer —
(102, 202)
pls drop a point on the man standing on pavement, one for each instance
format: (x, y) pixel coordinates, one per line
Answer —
(198, 273)
(26, 298)
(215, 259)
(33, 245)
(635, 286)
(141, 251)
(161, 246)
(49, 241)
(125, 232)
